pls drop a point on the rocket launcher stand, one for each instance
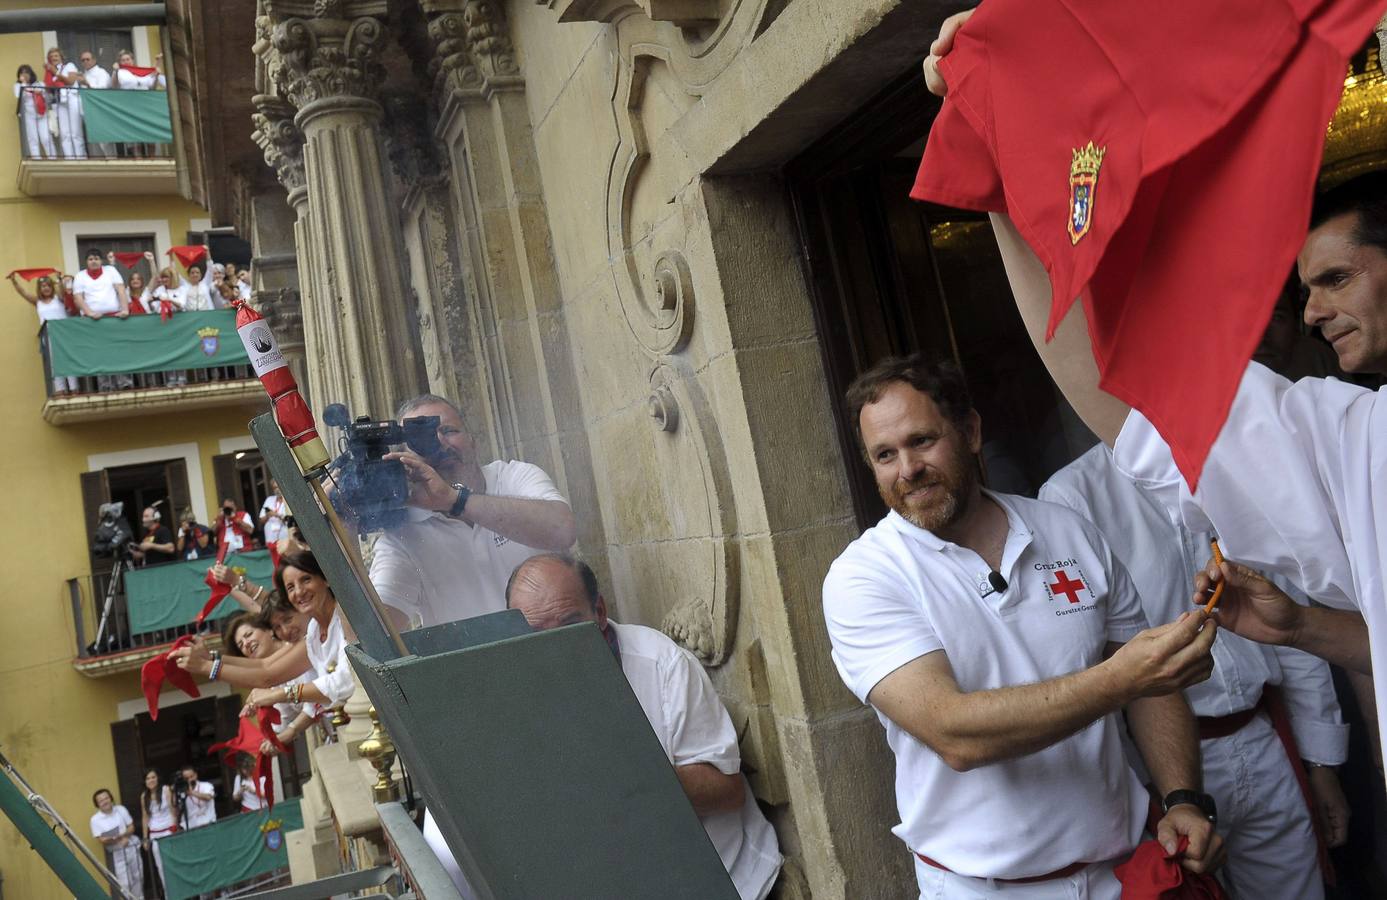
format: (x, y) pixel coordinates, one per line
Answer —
(532, 752)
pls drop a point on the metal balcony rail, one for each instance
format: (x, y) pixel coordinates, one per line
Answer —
(101, 617)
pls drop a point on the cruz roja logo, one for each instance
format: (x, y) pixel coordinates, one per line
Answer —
(211, 340)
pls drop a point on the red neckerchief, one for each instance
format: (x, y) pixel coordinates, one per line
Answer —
(136, 307)
(219, 590)
(37, 93)
(1151, 874)
(156, 671)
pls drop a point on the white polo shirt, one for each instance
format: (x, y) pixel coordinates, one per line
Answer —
(1162, 556)
(327, 654)
(99, 293)
(112, 823)
(97, 78)
(437, 569)
(898, 593)
(693, 727)
(1295, 484)
(201, 812)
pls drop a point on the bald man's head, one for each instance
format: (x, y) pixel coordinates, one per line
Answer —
(554, 589)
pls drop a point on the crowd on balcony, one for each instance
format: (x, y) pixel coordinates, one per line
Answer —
(112, 285)
(50, 113)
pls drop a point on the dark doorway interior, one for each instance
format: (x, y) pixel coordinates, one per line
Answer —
(892, 276)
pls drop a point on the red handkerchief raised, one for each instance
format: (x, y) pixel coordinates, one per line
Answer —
(188, 255)
(1145, 190)
(31, 274)
(129, 260)
(1152, 875)
(140, 71)
(162, 667)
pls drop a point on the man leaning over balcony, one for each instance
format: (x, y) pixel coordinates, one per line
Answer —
(99, 291)
(470, 526)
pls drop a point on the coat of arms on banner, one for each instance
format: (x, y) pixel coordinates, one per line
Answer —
(274, 834)
(1083, 184)
(211, 340)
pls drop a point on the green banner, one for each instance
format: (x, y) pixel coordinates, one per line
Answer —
(172, 594)
(202, 860)
(126, 117)
(111, 346)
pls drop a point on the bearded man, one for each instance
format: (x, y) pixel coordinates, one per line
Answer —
(997, 638)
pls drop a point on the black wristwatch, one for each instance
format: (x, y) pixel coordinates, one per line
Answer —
(461, 502)
(1194, 798)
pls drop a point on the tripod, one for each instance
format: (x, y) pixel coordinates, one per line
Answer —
(109, 606)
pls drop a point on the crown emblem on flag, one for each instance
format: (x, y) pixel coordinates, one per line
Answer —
(210, 340)
(1083, 184)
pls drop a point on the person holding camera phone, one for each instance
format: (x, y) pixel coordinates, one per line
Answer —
(470, 525)
(233, 527)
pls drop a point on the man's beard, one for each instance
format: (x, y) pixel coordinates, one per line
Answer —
(947, 504)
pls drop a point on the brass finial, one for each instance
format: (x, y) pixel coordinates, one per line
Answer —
(379, 750)
(340, 717)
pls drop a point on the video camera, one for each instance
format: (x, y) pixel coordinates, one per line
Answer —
(113, 534)
(375, 489)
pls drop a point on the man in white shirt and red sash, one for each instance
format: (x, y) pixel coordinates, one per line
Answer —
(233, 527)
(998, 638)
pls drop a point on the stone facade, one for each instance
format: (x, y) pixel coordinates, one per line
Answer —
(569, 216)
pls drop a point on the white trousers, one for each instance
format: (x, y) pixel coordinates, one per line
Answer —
(36, 136)
(1262, 816)
(70, 135)
(128, 868)
(1096, 882)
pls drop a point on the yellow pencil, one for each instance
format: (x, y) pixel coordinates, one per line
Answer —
(1218, 589)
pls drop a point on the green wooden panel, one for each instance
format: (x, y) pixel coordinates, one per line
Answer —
(542, 771)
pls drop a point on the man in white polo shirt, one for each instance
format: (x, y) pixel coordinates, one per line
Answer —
(99, 290)
(471, 525)
(1265, 822)
(997, 638)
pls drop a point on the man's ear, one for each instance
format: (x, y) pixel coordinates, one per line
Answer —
(972, 430)
(600, 608)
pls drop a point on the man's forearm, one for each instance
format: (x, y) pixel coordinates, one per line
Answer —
(1337, 636)
(709, 789)
(1069, 356)
(1167, 735)
(542, 524)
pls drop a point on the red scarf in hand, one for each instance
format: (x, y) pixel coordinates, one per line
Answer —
(1151, 874)
(139, 71)
(165, 310)
(188, 255)
(161, 668)
(219, 590)
(248, 739)
(31, 274)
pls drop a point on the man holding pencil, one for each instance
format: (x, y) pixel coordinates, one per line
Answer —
(997, 638)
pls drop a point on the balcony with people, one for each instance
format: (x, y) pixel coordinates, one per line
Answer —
(113, 344)
(84, 129)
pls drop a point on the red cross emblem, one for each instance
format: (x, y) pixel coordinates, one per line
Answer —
(1069, 589)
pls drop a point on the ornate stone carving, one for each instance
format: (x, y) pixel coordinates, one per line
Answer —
(330, 57)
(684, 13)
(414, 155)
(283, 310)
(472, 46)
(280, 139)
(703, 623)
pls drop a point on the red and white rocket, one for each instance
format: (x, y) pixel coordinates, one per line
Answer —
(291, 413)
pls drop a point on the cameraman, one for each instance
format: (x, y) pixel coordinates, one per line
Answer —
(471, 525)
(194, 538)
(157, 547)
(233, 527)
(197, 799)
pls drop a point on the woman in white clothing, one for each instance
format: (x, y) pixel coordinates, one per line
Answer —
(49, 306)
(300, 580)
(197, 287)
(159, 820)
(166, 297)
(70, 135)
(33, 113)
(128, 80)
(245, 790)
(251, 636)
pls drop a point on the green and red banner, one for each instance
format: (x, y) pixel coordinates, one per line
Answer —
(111, 346)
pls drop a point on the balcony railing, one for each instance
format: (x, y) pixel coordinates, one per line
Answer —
(121, 143)
(119, 627)
(110, 368)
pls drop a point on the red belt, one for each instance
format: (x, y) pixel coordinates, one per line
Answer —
(1211, 727)
(1071, 869)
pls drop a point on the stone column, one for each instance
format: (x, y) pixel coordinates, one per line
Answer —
(328, 66)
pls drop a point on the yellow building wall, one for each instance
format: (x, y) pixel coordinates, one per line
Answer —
(54, 722)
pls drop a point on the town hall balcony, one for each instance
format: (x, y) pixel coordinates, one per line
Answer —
(111, 368)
